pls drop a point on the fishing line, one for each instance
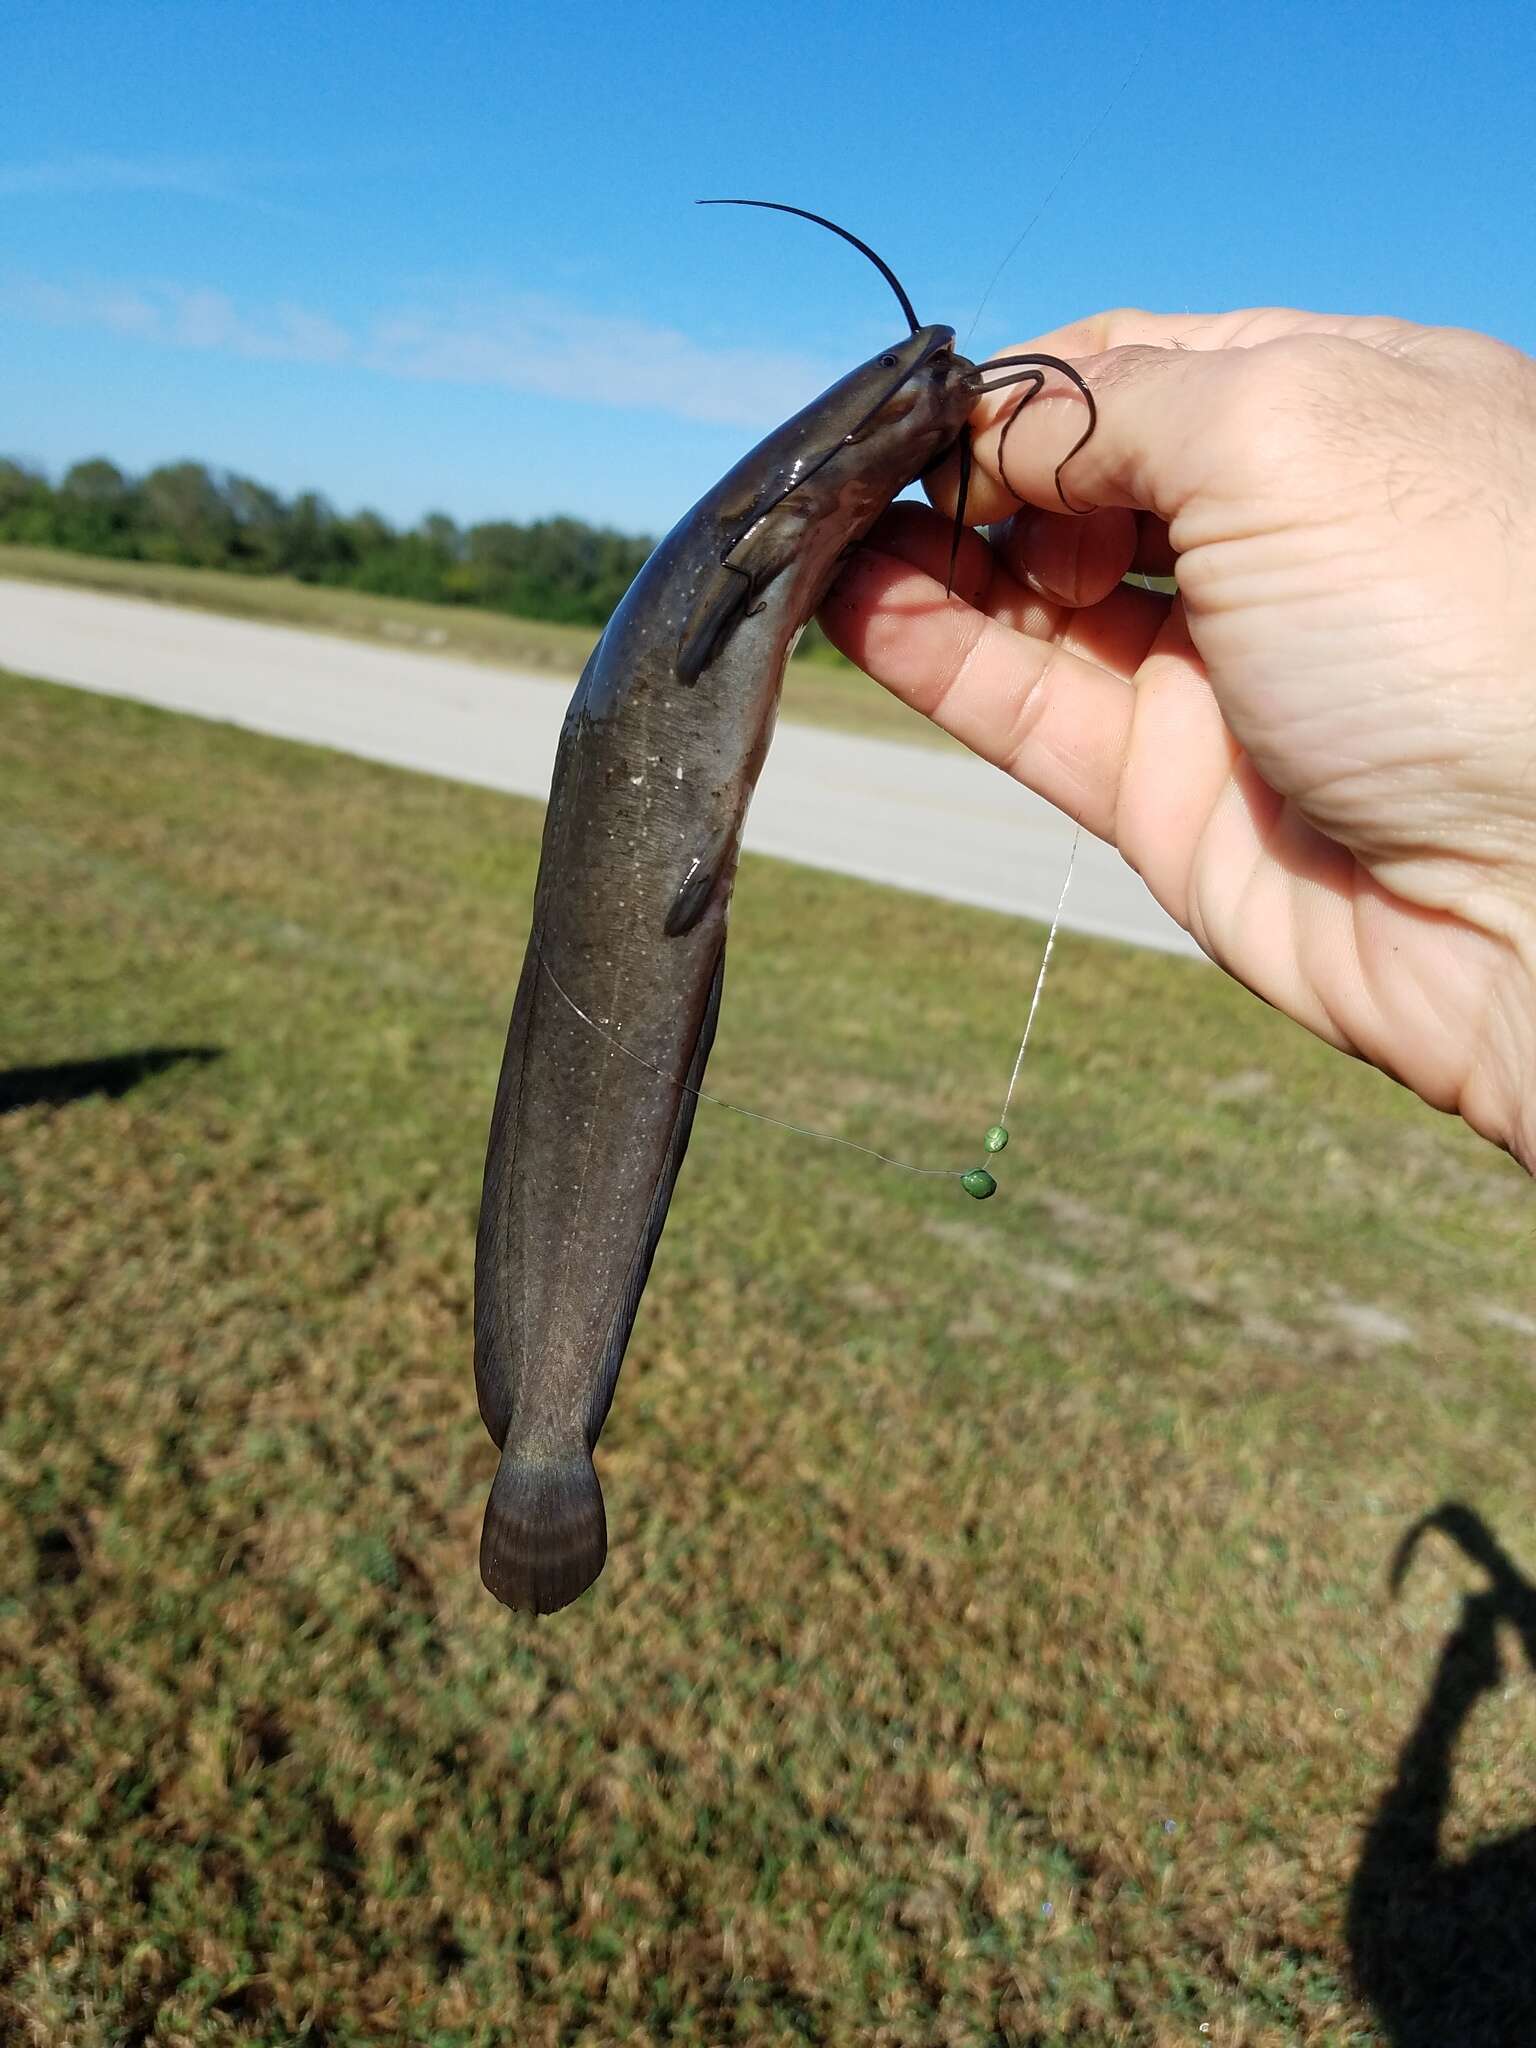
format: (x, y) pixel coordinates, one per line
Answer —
(1034, 1001)
(1119, 95)
(719, 1102)
(976, 1180)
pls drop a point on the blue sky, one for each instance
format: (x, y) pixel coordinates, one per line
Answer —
(445, 257)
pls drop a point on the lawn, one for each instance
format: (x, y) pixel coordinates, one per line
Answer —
(996, 1645)
(820, 689)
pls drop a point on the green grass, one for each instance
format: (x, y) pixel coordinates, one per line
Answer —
(825, 691)
(995, 1646)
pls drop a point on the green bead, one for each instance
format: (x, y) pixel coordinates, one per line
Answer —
(978, 1182)
(996, 1138)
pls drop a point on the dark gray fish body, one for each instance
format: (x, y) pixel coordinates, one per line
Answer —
(661, 748)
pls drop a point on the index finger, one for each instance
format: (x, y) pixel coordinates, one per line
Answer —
(1130, 327)
(1162, 385)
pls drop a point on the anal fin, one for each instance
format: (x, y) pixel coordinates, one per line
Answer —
(545, 1537)
(661, 1200)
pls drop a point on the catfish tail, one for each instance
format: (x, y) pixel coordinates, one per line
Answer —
(545, 1536)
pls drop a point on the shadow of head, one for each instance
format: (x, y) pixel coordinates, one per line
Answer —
(114, 1075)
(1445, 1950)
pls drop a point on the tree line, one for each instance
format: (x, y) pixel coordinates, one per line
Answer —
(189, 514)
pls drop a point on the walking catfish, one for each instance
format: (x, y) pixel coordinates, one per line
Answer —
(620, 990)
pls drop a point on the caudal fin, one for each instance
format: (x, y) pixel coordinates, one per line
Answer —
(545, 1536)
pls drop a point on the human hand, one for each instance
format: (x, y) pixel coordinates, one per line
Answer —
(1321, 755)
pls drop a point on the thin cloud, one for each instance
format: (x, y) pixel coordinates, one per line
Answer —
(179, 318)
(93, 176)
(539, 344)
(525, 343)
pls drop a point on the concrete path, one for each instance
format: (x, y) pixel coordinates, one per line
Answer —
(945, 825)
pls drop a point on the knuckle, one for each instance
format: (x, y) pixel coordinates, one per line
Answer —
(1029, 696)
(1297, 412)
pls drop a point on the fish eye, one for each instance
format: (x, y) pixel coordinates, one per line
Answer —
(888, 362)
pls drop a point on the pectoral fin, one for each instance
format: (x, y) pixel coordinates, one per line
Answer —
(714, 861)
(733, 590)
(721, 603)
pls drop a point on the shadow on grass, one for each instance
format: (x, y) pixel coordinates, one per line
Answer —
(73, 1080)
(1446, 1951)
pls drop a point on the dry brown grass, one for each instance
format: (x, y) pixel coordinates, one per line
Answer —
(996, 1646)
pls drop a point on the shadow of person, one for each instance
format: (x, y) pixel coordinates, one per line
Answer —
(73, 1080)
(1445, 1951)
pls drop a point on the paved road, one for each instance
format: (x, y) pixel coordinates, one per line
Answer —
(911, 816)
